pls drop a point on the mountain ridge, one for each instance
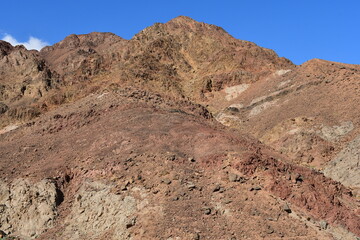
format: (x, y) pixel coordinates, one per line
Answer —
(162, 62)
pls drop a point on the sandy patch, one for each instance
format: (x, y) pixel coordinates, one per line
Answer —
(258, 109)
(226, 119)
(236, 105)
(334, 133)
(284, 83)
(8, 129)
(103, 94)
(235, 91)
(282, 71)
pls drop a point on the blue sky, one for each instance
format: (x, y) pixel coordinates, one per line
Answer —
(298, 30)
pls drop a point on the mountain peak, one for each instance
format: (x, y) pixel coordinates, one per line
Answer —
(183, 19)
(181, 25)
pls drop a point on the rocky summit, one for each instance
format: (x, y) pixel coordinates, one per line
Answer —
(182, 132)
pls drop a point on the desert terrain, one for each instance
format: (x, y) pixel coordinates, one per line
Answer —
(182, 132)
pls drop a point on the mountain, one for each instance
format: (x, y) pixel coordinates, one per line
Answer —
(182, 132)
(181, 58)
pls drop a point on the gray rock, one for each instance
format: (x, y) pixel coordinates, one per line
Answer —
(345, 167)
(270, 230)
(257, 188)
(3, 108)
(131, 223)
(334, 133)
(23, 200)
(216, 188)
(323, 225)
(104, 210)
(171, 158)
(286, 208)
(196, 236)
(207, 211)
(167, 181)
(299, 178)
(191, 186)
(235, 178)
(255, 212)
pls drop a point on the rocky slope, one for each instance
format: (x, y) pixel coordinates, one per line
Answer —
(133, 165)
(104, 138)
(309, 114)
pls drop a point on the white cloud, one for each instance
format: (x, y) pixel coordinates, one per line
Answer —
(32, 43)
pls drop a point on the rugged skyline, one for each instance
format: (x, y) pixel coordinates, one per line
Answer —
(298, 31)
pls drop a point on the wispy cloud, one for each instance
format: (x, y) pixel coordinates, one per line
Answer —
(32, 43)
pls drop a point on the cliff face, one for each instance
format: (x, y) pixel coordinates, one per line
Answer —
(182, 132)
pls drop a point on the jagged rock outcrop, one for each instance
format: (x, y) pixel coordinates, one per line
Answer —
(24, 79)
(80, 57)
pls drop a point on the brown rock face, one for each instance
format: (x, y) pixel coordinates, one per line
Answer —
(80, 57)
(24, 79)
(119, 147)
